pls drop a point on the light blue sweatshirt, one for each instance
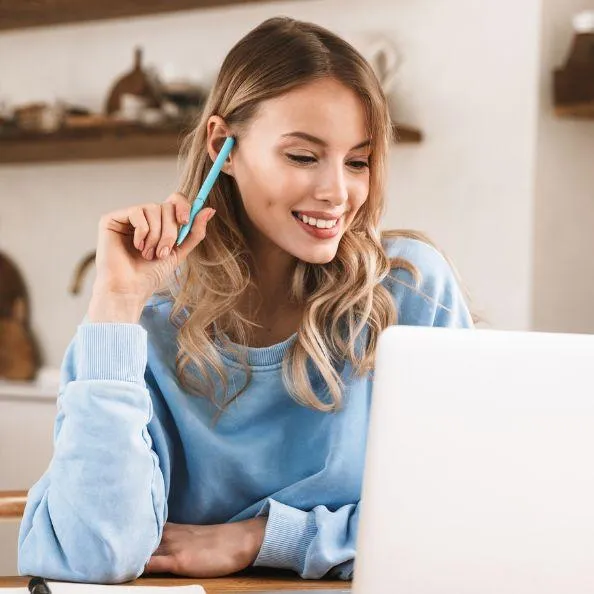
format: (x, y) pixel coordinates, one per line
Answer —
(134, 450)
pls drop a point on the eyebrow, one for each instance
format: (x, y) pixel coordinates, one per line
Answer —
(316, 140)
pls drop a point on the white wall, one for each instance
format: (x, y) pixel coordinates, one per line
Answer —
(468, 80)
(564, 222)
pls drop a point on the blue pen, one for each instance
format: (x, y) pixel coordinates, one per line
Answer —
(206, 187)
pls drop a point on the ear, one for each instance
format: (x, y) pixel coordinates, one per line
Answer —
(216, 133)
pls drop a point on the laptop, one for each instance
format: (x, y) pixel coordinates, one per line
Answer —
(479, 476)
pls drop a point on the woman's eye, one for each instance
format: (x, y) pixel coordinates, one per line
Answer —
(301, 158)
(305, 159)
(359, 164)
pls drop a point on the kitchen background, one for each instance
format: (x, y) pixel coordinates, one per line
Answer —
(502, 181)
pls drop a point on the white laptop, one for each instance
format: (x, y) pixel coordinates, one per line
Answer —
(480, 465)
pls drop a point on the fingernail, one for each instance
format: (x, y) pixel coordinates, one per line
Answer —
(211, 214)
(164, 252)
(141, 246)
(150, 254)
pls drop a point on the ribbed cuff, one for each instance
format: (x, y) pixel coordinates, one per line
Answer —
(288, 535)
(111, 351)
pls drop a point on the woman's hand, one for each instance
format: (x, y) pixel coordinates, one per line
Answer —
(208, 551)
(136, 252)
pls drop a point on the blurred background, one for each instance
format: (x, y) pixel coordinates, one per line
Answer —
(493, 102)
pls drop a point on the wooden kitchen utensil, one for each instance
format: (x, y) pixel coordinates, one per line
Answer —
(136, 82)
(19, 353)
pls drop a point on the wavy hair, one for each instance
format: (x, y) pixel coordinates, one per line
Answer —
(343, 301)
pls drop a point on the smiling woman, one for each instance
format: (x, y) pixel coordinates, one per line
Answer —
(220, 422)
(304, 188)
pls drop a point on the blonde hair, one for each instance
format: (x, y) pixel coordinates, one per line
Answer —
(343, 301)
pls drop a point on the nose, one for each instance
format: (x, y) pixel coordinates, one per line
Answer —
(332, 185)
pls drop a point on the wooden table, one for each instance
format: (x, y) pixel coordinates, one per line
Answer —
(12, 504)
(261, 580)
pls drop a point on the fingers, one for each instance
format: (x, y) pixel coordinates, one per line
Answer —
(182, 207)
(164, 221)
(152, 212)
(197, 233)
(138, 220)
(155, 227)
(168, 231)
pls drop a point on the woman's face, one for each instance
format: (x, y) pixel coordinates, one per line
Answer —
(302, 169)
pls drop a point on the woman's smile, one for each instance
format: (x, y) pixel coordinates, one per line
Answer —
(320, 228)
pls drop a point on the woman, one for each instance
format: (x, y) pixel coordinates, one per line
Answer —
(221, 423)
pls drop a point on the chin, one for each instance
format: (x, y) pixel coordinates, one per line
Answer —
(320, 255)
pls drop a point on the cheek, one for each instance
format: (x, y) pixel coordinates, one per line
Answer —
(360, 192)
(292, 184)
(358, 197)
(270, 184)
(275, 196)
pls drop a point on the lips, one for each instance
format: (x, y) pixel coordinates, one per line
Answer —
(319, 223)
(319, 232)
(316, 214)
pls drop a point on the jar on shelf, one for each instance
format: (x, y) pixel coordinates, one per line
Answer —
(574, 83)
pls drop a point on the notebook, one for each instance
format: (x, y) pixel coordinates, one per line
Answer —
(70, 588)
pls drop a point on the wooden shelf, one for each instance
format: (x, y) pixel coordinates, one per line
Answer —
(121, 142)
(110, 143)
(19, 14)
(90, 144)
(583, 111)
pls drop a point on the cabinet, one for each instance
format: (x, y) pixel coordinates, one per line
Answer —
(27, 416)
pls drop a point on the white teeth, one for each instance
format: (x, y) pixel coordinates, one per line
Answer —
(319, 223)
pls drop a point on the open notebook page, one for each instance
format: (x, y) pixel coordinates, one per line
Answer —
(69, 588)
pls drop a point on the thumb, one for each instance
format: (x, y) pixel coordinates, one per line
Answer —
(196, 235)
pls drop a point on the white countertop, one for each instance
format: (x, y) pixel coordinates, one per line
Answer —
(22, 389)
(45, 386)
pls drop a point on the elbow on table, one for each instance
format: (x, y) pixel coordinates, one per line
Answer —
(98, 562)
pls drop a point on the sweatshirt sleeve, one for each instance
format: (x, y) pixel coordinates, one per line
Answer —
(434, 297)
(97, 513)
(314, 544)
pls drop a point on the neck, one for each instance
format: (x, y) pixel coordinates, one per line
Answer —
(267, 302)
(272, 271)
(271, 267)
